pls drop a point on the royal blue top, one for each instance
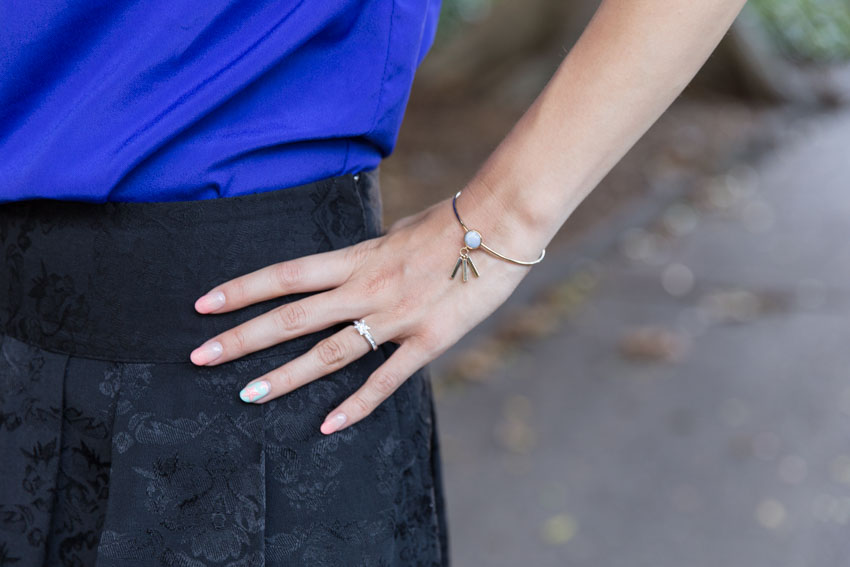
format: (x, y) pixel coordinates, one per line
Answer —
(167, 100)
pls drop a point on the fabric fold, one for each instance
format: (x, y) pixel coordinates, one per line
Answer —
(31, 443)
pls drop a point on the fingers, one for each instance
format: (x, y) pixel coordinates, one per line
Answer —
(315, 272)
(326, 356)
(278, 325)
(331, 354)
(406, 360)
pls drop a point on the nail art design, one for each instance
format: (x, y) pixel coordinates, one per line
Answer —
(255, 391)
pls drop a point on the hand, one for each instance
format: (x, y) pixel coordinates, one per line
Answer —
(398, 282)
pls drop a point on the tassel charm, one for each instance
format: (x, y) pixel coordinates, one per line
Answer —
(466, 262)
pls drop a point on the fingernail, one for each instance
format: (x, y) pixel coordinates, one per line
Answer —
(210, 302)
(332, 424)
(255, 391)
(206, 353)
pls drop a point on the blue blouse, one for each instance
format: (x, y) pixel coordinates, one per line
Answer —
(167, 100)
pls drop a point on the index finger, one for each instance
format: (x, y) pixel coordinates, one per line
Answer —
(314, 272)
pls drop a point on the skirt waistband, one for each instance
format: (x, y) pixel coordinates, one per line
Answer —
(118, 280)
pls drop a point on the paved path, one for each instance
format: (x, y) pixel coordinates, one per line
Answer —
(693, 407)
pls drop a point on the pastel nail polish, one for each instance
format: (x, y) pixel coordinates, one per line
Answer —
(255, 391)
(206, 353)
(334, 423)
(210, 301)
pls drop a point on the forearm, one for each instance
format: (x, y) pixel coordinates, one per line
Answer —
(631, 62)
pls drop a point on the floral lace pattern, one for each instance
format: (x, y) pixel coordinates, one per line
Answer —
(131, 463)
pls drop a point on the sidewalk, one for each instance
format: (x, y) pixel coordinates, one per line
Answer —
(692, 407)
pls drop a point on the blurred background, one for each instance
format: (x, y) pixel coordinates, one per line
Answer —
(671, 385)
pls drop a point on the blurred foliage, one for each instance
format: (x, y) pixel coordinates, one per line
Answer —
(808, 30)
(802, 30)
(455, 14)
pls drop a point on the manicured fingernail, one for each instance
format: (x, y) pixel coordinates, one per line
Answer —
(210, 302)
(333, 423)
(255, 391)
(206, 353)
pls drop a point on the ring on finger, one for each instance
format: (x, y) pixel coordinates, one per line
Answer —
(328, 355)
(363, 329)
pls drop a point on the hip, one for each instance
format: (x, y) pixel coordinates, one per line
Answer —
(118, 280)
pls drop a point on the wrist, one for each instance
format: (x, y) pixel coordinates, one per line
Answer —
(505, 225)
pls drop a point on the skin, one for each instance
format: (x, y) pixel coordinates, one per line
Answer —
(630, 63)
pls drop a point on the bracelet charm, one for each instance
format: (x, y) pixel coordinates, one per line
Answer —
(472, 239)
(465, 260)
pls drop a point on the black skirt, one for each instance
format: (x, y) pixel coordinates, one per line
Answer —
(119, 451)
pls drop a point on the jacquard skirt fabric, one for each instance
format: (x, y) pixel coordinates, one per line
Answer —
(118, 451)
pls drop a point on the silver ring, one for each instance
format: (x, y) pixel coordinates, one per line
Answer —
(363, 329)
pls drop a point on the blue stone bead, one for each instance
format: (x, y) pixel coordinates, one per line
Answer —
(472, 239)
